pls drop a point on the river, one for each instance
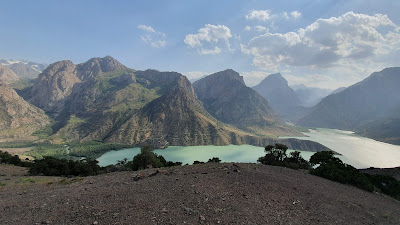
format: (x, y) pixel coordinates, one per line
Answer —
(355, 150)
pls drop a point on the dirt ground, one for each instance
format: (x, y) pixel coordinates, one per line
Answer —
(211, 193)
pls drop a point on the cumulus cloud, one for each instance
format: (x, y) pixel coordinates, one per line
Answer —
(262, 15)
(326, 42)
(152, 37)
(256, 28)
(208, 37)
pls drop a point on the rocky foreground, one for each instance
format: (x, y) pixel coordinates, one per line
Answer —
(211, 193)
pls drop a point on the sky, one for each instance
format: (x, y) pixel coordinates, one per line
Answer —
(319, 43)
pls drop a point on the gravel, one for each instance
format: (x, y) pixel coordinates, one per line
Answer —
(212, 193)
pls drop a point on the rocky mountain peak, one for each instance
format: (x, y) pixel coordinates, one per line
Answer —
(95, 66)
(274, 79)
(64, 65)
(227, 75)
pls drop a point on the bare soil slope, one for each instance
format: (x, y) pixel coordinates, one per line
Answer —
(211, 193)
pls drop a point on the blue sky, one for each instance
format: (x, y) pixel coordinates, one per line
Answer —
(196, 37)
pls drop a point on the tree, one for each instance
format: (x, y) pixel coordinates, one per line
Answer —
(147, 158)
(276, 156)
(324, 157)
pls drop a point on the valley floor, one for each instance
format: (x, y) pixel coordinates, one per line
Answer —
(209, 193)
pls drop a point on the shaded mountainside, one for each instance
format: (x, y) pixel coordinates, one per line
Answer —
(368, 107)
(211, 193)
(7, 76)
(17, 117)
(276, 90)
(226, 97)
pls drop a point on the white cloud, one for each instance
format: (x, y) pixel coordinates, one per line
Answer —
(208, 37)
(295, 14)
(326, 42)
(152, 37)
(146, 28)
(262, 15)
(194, 75)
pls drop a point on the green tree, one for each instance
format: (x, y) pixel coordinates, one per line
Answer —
(147, 158)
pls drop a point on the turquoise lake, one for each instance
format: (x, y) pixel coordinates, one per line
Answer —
(355, 150)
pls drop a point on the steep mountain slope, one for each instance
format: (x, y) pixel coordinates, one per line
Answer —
(276, 90)
(226, 97)
(369, 101)
(7, 76)
(55, 85)
(17, 117)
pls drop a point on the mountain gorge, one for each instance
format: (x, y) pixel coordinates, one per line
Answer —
(282, 98)
(227, 98)
(369, 107)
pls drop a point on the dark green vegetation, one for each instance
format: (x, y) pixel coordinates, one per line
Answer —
(7, 158)
(148, 159)
(334, 169)
(50, 166)
(276, 156)
(370, 108)
(326, 165)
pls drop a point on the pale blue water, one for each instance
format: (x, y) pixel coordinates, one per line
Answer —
(188, 154)
(357, 151)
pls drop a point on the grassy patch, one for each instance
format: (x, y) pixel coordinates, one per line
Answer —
(2, 184)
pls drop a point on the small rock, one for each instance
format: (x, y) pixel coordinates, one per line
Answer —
(95, 223)
(202, 218)
(164, 210)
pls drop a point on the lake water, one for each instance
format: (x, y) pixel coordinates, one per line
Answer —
(360, 152)
(188, 154)
(357, 151)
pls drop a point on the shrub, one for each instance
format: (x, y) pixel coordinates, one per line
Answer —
(214, 159)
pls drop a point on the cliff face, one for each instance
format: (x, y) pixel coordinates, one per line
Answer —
(56, 84)
(17, 117)
(226, 97)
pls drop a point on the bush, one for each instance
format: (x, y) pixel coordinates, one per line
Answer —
(387, 184)
(214, 159)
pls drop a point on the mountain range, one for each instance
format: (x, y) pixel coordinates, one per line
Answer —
(24, 69)
(104, 100)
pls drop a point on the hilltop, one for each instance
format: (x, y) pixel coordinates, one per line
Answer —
(210, 193)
